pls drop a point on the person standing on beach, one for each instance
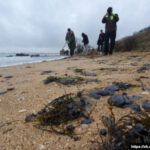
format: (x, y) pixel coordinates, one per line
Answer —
(85, 42)
(100, 41)
(70, 40)
(110, 20)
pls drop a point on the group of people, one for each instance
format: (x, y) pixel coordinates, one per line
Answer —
(106, 41)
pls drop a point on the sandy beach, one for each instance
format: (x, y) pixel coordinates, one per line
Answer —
(23, 92)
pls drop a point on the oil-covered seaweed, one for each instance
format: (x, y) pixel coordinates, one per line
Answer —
(63, 114)
(64, 80)
(133, 128)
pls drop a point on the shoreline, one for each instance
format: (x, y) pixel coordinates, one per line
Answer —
(37, 61)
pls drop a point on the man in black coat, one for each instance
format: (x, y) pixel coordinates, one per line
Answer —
(70, 40)
(85, 42)
(110, 20)
(100, 41)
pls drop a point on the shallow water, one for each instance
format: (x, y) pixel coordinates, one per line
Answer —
(10, 59)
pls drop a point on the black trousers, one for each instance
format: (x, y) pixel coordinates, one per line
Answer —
(101, 48)
(72, 48)
(109, 42)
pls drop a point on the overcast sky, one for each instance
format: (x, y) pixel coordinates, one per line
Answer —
(42, 24)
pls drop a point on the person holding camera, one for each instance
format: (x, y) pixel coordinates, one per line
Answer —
(110, 20)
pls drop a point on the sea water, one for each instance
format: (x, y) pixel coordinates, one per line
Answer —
(10, 59)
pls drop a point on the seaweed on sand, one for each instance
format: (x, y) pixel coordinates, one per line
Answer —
(108, 69)
(69, 80)
(79, 70)
(51, 79)
(63, 114)
(63, 80)
(64, 109)
(133, 128)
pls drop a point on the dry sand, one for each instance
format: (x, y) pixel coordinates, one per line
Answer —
(27, 82)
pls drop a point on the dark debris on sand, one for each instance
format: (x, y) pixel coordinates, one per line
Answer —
(46, 72)
(67, 112)
(8, 77)
(59, 115)
(109, 69)
(133, 128)
(3, 92)
(92, 80)
(125, 101)
(110, 90)
(67, 80)
(64, 80)
(145, 67)
(89, 74)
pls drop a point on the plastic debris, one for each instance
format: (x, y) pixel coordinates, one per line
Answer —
(22, 110)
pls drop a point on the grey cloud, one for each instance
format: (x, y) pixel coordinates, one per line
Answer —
(42, 24)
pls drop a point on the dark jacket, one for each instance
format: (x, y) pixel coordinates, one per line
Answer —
(111, 25)
(85, 39)
(101, 38)
(70, 37)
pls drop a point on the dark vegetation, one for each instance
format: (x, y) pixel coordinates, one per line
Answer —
(64, 114)
(83, 72)
(109, 69)
(79, 70)
(71, 80)
(63, 80)
(119, 134)
(138, 41)
(68, 112)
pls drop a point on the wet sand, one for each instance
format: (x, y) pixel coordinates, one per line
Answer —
(26, 91)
